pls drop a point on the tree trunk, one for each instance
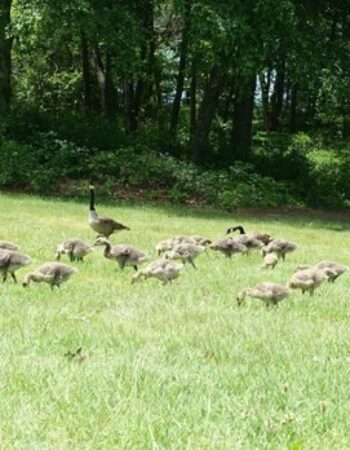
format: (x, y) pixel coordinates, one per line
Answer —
(107, 89)
(206, 114)
(5, 55)
(265, 96)
(293, 108)
(174, 121)
(129, 112)
(193, 101)
(243, 120)
(86, 70)
(277, 97)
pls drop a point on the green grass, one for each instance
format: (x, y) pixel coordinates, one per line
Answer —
(177, 366)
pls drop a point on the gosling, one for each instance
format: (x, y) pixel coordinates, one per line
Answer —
(270, 261)
(338, 269)
(6, 245)
(10, 262)
(164, 270)
(186, 252)
(270, 293)
(52, 273)
(75, 248)
(308, 280)
(228, 247)
(279, 246)
(123, 254)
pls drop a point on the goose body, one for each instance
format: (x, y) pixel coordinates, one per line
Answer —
(6, 245)
(228, 247)
(75, 248)
(186, 252)
(270, 293)
(164, 270)
(104, 226)
(307, 280)
(262, 237)
(123, 254)
(337, 268)
(11, 261)
(170, 243)
(52, 273)
(279, 246)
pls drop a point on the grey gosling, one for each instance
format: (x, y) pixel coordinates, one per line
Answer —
(262, 237)
(104, 226)
(10, 262)
(52, 273)
(186, 252)
(228, 247)
(6, 245)
(270, 260)
(75, 248)
(308, 280)
(338, 269)
(279, 246)
(164, 270)
(123, 254)
(170, 243)
(270, 293)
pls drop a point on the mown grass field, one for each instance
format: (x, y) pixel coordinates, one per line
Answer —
(177, 366)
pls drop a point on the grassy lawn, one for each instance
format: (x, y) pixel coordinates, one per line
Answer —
(177, 366)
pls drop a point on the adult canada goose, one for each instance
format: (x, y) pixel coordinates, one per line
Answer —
(186, 252)
(270, 260)
(262, 237)
(270, 293)
(307, 280)
(52, 273)
(123, 254)
(279, 246)
(228, 247)
(338, 269)
(6, 245)
(164, 270)
(11, 261)
(104, 226)
(75, 248)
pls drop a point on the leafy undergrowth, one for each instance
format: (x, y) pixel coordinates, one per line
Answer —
(178, 366)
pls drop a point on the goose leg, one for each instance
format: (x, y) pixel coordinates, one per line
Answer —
(190, 260)
(135, 268)
(14, 277)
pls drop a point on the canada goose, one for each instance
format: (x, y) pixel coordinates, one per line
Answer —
(11, 261)
(185, 252)
(75, 248)
(270, 260)
(6, 245)
(338, 269)
(309, 279)
(279, 246)
(228, 247)
(52, 273)
(104, 226)
(164, 270)
(270, 293)
(123, 254)
(262, 237)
